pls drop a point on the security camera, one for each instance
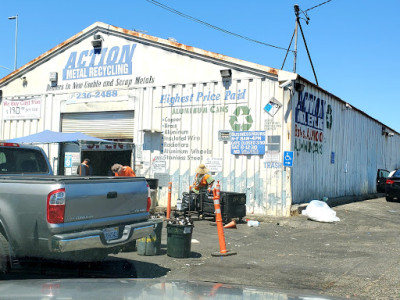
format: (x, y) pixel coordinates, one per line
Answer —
(390, 134)
(348, 106)
(285, 84)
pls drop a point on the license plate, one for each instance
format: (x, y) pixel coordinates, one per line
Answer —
(111, 233)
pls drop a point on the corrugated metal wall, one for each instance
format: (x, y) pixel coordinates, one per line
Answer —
(190, 131)
(50, 118)
(346, 161)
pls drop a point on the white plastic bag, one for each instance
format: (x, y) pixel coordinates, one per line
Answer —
(320, 211)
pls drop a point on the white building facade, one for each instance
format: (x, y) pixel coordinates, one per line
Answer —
(268, 133)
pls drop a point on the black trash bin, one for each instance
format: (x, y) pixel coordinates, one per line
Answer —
(179, 239)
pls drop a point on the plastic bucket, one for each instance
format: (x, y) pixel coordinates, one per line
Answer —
(151, 245)
(179, 239)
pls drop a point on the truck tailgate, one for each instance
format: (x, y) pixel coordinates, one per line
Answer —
(99, 198)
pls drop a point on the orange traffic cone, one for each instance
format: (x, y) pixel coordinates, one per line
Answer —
(231, 224)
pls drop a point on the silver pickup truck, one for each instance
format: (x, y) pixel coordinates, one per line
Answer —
(65, 217)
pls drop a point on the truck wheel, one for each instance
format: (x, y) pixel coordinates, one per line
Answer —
(4, 255)
(389, 199)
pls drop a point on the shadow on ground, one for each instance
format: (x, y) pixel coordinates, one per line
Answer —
(113, 267)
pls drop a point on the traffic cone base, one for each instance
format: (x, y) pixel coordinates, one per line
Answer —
(227, 253)
(231, 224)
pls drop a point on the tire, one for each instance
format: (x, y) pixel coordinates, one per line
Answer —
(389, 199)
(4, 255)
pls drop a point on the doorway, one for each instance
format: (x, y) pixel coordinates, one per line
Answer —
(102, 161)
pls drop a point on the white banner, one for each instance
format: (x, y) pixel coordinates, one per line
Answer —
(21, 109)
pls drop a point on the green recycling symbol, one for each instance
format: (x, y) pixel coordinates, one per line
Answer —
(247, 121)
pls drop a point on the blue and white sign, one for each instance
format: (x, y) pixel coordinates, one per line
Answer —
(68, 161)
(248, 142)
(288, 158)
(87, 64)
(272, 106)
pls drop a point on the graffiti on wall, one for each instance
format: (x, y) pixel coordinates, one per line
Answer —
(312, 116)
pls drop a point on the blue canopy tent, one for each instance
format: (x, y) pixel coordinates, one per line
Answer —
(48, 137)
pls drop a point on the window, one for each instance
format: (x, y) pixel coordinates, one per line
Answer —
(396, 174)
(274, 143)
(18, 160)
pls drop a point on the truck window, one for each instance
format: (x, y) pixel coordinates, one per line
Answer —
(397, 173)
(18, 160)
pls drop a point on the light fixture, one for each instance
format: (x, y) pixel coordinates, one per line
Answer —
(226, 74)
(299, 87)
(152, 130)
(24, 81)
(97, 41)
(386, 133)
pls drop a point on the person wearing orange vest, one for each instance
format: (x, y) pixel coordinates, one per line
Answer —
(202, 180)
(120, 170)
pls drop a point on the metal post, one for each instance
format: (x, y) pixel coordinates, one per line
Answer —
(169, 200)
(296, 11)
(16, 38)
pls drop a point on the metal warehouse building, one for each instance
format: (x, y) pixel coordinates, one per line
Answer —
(266, 132)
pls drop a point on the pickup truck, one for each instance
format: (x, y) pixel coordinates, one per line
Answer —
(65, 217)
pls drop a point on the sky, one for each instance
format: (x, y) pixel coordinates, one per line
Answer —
(353, 44)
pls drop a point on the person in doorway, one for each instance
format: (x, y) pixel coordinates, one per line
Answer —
(84, 169)
(120, 170)
(202, 180)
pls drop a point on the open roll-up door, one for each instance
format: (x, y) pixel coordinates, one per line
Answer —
(105, 125)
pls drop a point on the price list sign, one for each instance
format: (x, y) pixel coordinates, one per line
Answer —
(21, 109)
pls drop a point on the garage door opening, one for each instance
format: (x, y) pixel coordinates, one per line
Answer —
(101, 161)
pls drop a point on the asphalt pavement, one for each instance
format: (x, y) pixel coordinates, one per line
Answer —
(356, 257)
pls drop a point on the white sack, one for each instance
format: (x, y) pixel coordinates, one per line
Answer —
(320, 211)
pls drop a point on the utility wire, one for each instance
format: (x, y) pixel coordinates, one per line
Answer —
(5, 68)
(308, 52)
(317, 5)
(213, 26)
(288, 49)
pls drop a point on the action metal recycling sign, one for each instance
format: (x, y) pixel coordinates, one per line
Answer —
(109, 62)
(248, 142)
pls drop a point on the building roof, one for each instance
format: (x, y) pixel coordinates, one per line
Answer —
(168, 44)
(141, 37)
